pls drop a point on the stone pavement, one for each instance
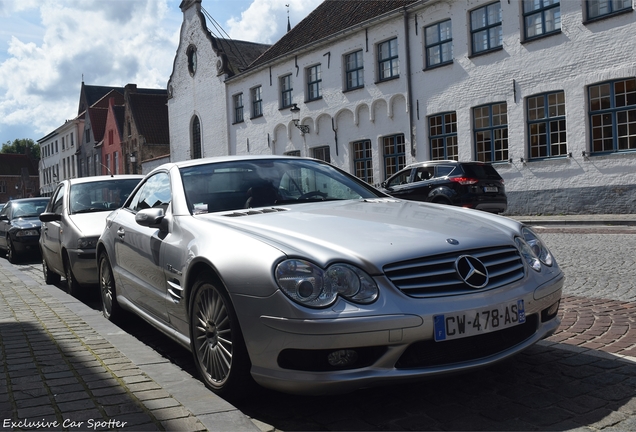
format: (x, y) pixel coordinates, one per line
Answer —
(64, 367)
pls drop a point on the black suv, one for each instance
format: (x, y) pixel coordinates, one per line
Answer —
(474, 185)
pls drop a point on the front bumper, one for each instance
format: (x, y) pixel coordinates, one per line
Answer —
(84, 265)
(289, 354)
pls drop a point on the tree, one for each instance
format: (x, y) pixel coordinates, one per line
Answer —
(19, 146)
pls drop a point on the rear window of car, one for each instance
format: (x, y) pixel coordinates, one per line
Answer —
(481, 171)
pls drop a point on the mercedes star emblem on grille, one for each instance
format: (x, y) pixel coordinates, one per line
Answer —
(472, 271)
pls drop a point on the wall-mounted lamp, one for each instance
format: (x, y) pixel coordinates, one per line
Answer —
(522, 160)
(133, 158)
(510, 160)
(584, 153)
(296, 119)
(570, 154)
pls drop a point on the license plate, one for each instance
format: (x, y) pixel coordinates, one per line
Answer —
(475, 322)
(491, 189)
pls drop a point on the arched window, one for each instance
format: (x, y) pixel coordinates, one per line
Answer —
(196, 138)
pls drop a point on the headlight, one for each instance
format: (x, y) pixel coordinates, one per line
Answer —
(87, 242)
(310, 285)
(539, 249)
(528, 254)
(27, 233)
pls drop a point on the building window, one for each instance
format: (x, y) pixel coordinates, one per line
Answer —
(3, 186)
(613, 116)
(394, 154)
(363, 160)
(116, 158)
(322, 153)
(257, 102)
(314, 83)
(196, 138)
(192, 59)
(108, 170)
(238, 108)
(601, 8)
(388, 60)
(354, 70)
(541, 17)
(485, 28)
(72, 142)
(62, 143)
(439, 44)
(292, 153)
(88, 135)
(546, 125)
(491, 132)
(443, 136)
(286, 91)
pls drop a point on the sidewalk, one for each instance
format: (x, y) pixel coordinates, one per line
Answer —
(65, 367)
(594, 219)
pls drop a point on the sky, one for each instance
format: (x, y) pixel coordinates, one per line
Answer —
(47, 47)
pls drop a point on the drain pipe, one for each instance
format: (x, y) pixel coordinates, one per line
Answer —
(409, 91)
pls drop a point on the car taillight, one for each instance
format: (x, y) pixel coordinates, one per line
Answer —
(464, 180)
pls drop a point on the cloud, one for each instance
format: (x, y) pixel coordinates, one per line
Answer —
(265, 21)
(103, 42)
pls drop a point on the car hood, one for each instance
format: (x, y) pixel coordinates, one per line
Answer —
(373, 232)
(90, 224)
(26, 223)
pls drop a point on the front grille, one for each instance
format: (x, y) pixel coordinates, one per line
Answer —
(436, 275)
(430, 353)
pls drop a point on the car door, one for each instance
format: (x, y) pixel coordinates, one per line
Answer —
(137, 248)
(5, 223)
(399, 185)
(50, 235)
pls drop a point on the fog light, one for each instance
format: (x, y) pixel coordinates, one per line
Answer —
(549, 313)
(342, 358)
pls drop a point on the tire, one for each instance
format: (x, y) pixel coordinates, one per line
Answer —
(72, 286)
(12, 255)
(217, 341)
(110, 307)
(50, 277)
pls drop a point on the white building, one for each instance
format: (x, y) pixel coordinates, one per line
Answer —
(544, 90)
(57, 155)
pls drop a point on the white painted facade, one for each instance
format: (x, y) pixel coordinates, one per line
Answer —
(584, 53)
(57, 155)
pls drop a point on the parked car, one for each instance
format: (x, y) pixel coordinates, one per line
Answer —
(295, 274)
(72, 223)
(20, 227)
(473, 185)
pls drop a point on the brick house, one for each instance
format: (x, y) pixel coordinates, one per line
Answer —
(18, 177)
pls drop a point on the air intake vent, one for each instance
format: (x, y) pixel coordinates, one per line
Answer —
(255, 212)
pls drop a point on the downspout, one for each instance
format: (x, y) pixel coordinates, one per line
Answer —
(335, 134)
(409, 91)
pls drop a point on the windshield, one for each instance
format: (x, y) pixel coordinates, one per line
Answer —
(260, 183)
(100, 195)
(29, 209)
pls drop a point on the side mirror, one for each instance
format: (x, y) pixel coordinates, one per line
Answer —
(150, 218)
(4, 217)
(50, 217)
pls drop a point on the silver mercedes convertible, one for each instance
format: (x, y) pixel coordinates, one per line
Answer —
(294, 274)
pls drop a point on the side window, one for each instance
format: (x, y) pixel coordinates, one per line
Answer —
(5, 210)
(423, 173)
(154, 193)
(56, 203)
(401, 178)
(444, 170)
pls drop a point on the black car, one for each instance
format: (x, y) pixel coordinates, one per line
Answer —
(473, 185)
(20, 226)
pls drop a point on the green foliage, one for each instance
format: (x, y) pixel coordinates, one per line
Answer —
(19, 146)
